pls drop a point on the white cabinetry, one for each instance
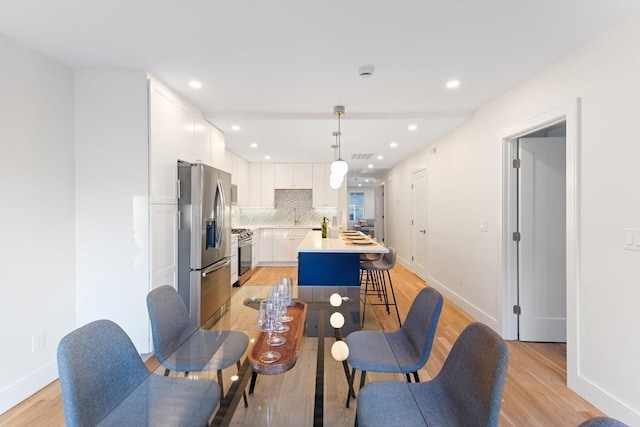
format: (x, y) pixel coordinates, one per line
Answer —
(234, 259)
(164, 244)
(293, 175)
(266, 245)
(323, 194)
(256, 244)
(239, 170)
(285, 243)
(218, 152)
(163, 116)
(261, 190)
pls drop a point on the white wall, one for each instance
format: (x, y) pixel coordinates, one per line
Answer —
(112, 200)
(37, 286)
(463, 177)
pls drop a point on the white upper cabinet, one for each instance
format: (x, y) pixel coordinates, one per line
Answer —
(293, 175)
(261, 189)
(185, 135)
(218, 152)
(202, 139)
(163, 117)
(323, 194)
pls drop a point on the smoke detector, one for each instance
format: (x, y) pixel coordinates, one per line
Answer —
(366, 70)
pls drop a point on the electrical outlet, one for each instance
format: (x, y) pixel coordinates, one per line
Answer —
(484, 226)
(37, 341)
(631, 239)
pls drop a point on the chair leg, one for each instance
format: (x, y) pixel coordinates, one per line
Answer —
(244, 392)
(166, 372)
(220, 384)
(355, 422)
(408, 377)
(353, 375)
(416, 377)
(362, 377)
(393, 294)
(252, 386)
(186, 374)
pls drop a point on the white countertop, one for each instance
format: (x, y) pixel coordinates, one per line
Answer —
(313, 242)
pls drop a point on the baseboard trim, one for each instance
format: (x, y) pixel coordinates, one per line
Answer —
(27, 386)
(604, 401)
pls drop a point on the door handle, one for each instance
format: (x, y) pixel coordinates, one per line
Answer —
(216, 266)
(423, 231)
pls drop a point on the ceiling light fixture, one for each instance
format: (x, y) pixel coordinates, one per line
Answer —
(339, 167)
(380, 157)
(393, 145)
(253, 145)
(195, 84)
(235, 127)
(452, 84)
(412, 127)
(267, 157)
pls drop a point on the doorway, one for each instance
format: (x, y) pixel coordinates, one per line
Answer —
(568, 114)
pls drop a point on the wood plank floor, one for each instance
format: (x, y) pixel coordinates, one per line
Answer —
(535, 392)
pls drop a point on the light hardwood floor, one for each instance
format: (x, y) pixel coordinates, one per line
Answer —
(535, 392)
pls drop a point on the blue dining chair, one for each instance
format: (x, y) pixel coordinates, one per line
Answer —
(181, 346)
(602, 422)
(402, 351)
(99, 367)
(466, 392)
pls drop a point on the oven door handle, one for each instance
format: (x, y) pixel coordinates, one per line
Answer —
(244, 243)
(215, 267)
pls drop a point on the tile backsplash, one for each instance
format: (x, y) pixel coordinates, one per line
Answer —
(292, 207)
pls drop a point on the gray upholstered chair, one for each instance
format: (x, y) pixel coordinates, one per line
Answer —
(402, 351)
(466, 392)
(99, 366)
(183, 347)
(602, 422)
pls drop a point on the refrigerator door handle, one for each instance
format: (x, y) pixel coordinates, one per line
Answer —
(215, 267)
(219, 212)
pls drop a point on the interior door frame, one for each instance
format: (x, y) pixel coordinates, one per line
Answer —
(413, 219)
(569, 113)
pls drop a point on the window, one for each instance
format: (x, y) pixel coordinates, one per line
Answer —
(356, 206)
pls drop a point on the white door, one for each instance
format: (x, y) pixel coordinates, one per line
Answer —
(419, 223)
(541, 250)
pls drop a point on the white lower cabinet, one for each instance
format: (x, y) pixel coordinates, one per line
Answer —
(285, 243)
(266, 245)
(164, 244)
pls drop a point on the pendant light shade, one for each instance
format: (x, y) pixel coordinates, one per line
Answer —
(339, 167)
(335, 181)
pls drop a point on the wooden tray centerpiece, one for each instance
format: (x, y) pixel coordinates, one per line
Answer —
(289, 350)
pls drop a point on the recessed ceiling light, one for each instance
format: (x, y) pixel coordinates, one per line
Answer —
(267, 157)
(380, 157)
(253, 145)
(366, 180)
(235, 127)
(370, 166)
(359, 185)
(412, 127)
(195, 84)
(393, 145)
(452, 84)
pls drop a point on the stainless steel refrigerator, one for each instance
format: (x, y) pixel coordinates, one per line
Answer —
(204, 241)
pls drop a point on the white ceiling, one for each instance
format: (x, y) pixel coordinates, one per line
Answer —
(277, 68)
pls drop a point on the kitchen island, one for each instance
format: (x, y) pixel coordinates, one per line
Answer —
(332, 261)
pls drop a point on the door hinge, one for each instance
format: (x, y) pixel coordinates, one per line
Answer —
(516, 309)
(179, 220)
(516, 236)
(411, 222)
(411, 257)
(516, 163)
(178, 188)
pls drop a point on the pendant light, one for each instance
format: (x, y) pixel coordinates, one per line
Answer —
(339, 167)
(335, 181)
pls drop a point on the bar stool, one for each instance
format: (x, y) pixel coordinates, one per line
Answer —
(375, 273)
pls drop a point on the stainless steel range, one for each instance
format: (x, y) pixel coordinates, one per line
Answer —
(245, 238)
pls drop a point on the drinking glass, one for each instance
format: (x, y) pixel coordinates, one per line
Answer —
(285, 285)
(267, 323)
(281, 309)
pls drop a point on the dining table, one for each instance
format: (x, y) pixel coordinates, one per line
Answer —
(310, 391)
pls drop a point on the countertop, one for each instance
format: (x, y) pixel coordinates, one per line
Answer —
(313, 242)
